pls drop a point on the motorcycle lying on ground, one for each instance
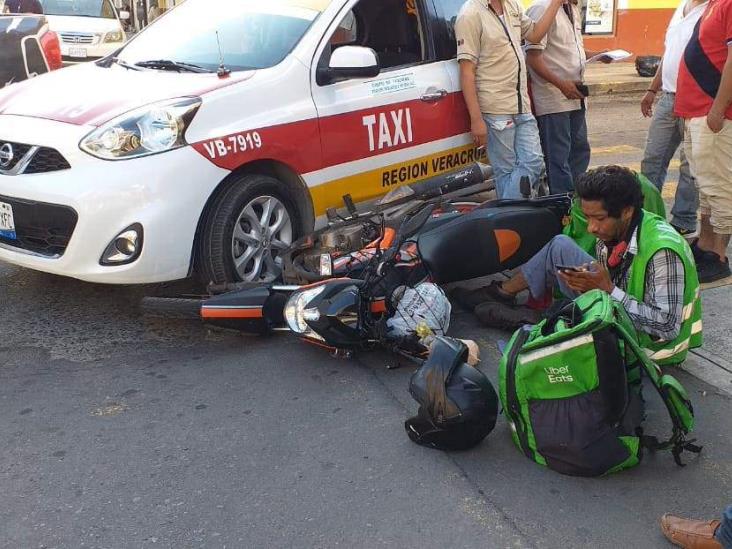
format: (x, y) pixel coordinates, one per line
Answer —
(340, 294)
(348, 239)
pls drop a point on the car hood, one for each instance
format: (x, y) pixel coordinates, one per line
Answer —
(92, 95)
(68, 23)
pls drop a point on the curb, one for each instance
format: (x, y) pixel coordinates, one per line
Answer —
(614, 88)
(710, 369)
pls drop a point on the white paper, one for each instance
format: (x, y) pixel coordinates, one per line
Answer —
(614, 55)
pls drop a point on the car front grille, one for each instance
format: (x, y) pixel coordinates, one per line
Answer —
(41, 228)
(21, 158)
(77, 38)
(47, 160)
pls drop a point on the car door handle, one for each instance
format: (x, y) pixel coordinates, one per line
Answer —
(432, 95)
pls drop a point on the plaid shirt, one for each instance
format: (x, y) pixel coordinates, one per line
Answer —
(660, 312)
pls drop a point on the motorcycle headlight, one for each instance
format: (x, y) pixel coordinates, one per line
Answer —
(298, 312)
(156, 128)
(114, 36)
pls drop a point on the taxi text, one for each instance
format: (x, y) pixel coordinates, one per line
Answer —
(387, 131)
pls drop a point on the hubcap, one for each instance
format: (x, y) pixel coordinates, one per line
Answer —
(261, 232)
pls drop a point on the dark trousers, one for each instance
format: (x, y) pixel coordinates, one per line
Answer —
(566, 148)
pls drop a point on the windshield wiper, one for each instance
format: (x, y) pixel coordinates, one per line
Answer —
(168, 65)
(121, 63)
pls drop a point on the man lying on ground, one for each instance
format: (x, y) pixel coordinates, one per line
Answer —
(642, 262)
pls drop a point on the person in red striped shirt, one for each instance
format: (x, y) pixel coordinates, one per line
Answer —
(704, 100)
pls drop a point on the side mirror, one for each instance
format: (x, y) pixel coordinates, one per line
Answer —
(124, 15)
(352, 62)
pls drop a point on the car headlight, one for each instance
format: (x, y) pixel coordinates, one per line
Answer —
(148, 130)
(298, 314)
(114, 36)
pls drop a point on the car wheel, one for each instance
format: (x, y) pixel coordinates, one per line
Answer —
(248, 227)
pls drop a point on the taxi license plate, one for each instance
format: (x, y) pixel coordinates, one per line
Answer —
(79, 53)
(7, 223)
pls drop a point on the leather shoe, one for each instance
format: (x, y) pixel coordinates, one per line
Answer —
(712, 268)
(500, 316)
(470, 299)
(690, 534)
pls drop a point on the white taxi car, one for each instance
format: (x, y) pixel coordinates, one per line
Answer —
(214, 138)
(88, 29)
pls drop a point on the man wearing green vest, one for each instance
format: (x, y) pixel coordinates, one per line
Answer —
(642, 262)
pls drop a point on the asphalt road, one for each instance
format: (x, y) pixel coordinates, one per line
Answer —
(119, 431)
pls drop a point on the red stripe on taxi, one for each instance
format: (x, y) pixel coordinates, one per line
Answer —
(346, 137)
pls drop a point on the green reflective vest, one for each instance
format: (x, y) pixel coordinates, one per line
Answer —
(656, 234)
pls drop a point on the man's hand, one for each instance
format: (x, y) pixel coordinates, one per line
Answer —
(569, 89)
(647, 104)
(605, 59)
(595, 277)
(715, 120)
(479, 131)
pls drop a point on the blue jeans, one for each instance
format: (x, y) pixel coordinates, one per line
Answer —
(665, 134)
(540, 271)
(514, 151)
(724, 533)
(566, 148)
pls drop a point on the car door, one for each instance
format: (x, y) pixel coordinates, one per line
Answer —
(393, 129)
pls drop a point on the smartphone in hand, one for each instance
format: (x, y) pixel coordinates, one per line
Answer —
(583, 89)
(567, 268)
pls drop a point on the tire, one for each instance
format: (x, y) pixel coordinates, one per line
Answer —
(171, 307)
(245, 231)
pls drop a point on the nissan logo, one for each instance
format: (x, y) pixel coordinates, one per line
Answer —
(6, 155)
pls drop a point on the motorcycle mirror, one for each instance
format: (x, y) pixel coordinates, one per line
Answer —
(350, 206)
(413, 224)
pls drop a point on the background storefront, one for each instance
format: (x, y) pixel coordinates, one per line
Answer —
(638, 26)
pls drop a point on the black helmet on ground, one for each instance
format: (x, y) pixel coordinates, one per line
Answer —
(458, 405)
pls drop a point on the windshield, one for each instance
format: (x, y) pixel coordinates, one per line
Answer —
(252, 34)
(79, 8)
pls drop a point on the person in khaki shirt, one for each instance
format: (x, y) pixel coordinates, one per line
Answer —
(556, 65)
(493, 80)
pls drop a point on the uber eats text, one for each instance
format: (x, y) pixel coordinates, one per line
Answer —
(559, 375)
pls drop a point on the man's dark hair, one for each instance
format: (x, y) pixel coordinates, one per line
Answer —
(615, 186)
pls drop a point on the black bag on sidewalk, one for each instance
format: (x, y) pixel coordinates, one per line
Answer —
(647, 65)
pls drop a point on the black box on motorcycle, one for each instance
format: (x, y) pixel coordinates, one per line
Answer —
(493, 238)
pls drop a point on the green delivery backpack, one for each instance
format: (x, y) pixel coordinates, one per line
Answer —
(571, 389)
